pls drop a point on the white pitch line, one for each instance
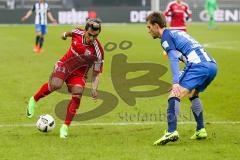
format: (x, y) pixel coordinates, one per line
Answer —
(120, 124)
(228, 45)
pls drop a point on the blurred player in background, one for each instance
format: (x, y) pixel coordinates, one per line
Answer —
(210, 7)
(91, 15)
(42, 12)
(85, 52)
(179, 12)
(198, 73)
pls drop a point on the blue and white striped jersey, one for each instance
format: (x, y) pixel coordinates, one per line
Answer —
(178, 40)
(41, 10)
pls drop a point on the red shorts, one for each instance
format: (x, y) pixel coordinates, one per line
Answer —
(75, 80)
(71, 79)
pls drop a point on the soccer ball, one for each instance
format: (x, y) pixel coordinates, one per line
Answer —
(45, 123)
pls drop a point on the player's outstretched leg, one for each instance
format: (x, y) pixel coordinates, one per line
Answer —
(171, 135)
(32, 104)
(198, 115)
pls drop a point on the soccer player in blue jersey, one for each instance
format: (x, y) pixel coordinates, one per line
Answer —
(42, 12)
(199, 72)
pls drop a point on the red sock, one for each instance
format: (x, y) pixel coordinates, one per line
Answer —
(71, 110)
(44, 91)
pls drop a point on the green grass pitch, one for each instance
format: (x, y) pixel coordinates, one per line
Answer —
(23, 72)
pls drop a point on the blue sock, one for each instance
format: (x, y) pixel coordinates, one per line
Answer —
(197, 111)
(172, 112)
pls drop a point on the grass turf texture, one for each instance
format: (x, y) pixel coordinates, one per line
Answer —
(23, 73)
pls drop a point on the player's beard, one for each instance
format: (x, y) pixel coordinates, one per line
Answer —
(90, 43)
(155, 36)
(87, 41)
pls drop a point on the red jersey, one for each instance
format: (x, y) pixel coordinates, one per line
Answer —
(177, 13)
(80, 57)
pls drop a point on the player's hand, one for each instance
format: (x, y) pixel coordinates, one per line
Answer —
(165, 54)
(187, 18)
(64, 37)
(94, 94)
(54, 22)
(23, 19)
(176, 90)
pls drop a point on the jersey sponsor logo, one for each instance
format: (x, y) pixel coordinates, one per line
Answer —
(222, 15)
(178, 11)
(75, 43)
(28, 113)
(87, 52)
(73, 16)
(139, 16)
(165, 44)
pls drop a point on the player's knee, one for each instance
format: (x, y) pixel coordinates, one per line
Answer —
(193, 93)
(171, 95)
(39, 34)
(55, 85)
(182, 94)
(77, 92)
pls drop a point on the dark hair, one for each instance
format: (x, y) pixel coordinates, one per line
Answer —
(94, 24)
(157, 17)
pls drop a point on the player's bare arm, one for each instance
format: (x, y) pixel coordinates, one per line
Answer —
(50, 16)
(29, 13)
(95, 82)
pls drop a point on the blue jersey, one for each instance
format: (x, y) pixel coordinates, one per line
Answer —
(175, 42)
(178, 40)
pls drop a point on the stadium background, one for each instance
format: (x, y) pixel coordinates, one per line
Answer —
(127, 130)
(122, 11)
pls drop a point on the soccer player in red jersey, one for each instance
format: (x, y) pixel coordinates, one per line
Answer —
(177, 11)
(85, 52)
